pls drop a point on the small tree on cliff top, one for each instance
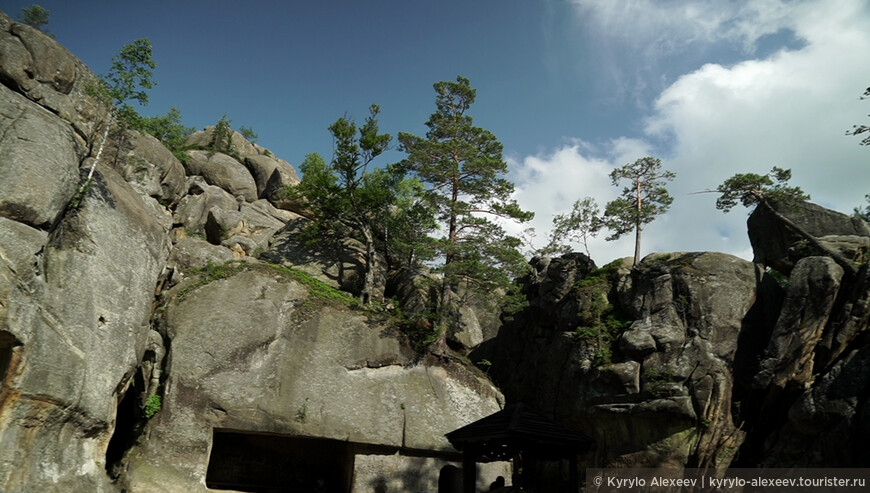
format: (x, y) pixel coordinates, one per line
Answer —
(35, 17)
(641, 202)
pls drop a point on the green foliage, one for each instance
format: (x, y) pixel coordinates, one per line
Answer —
(317, 288)
(249, 134)
(36, 17)
(211, 272)
(750, 189)
(129, 78)
(659, 383)
(601, 322)
(641, 202)
(582, 223)
(349, 199)
(152, 404)
(168, 130)
(222, 136)
(860, 129)
(461, 166)
(780, 278)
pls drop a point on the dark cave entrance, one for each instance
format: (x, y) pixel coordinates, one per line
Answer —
(128, 426)
(8, 346)
(271, 463)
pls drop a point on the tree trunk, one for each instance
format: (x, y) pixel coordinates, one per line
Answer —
(371, 261)
(637, 226)
(442, 321)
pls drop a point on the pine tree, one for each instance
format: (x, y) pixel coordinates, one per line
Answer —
(347, 198)
(639, 203)
(462, 168)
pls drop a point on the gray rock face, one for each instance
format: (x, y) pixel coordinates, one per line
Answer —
(655, 392)
(89, 294)
(223, 171)
(39, 162)
(36, 66)
(152, 169)
(264, 167)
(813, 287)
(300, 367)
(774, 244)
(338, 265)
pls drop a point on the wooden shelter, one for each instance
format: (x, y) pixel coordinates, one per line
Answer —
(517, 432)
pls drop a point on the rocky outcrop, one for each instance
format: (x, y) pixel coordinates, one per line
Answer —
(284, 361)
(688, 360)
(152, 169)
(779, 245)
(638, 358)
(37, 67)
(223, 171)
(46, 155)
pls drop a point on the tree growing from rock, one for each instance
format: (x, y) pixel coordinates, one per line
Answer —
(773, 193)
(36, 17)
(129, 78)
(462, 168)
(222, 136)
(582, 223)
(640, 203)
(345, 197)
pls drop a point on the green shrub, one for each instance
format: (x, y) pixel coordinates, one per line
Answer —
(222, 137)
(152, 404)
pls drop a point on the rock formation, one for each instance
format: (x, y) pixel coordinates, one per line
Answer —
(133, 355)
(167, 326)
(691, 360)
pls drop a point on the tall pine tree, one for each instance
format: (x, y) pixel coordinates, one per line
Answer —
(462, 168)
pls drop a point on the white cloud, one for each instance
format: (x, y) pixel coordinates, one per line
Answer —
(664, 27)
(790, 110)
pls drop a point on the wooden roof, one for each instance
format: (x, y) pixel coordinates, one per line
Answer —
(518, 429)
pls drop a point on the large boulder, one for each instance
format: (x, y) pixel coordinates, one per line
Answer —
(222, 171)
(264, 167)
(812, 290)
(777, 245)
(283, 361)
(249, 222)
(204, 139)
(152, 169)
(192, 210)
(36, 66)
(39, 162)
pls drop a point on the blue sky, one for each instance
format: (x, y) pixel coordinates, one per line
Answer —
(572, 88)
